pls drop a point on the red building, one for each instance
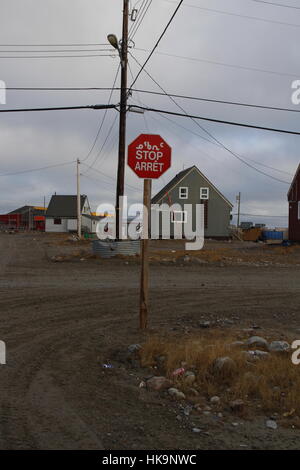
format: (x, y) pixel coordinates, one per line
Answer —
(24, 218)
(294, 208)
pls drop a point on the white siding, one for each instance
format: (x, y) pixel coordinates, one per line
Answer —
(52, 227)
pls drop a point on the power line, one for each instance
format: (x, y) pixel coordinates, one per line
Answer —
(63, 88)
(224, 64)
(140, 12)
(221, 121)
(55, 45)
(214, 143)
(234, 154)
(110, 177)
(54, 50)
(104, 115)
(56, 56)
(157, 43)
(277, 4)
(141, 20)
(104, 143)
(37, 169)
(210, 100)
(281, 23)
(59, 108)
(194, 98)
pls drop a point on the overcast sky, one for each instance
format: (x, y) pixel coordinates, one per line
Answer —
(238, 59)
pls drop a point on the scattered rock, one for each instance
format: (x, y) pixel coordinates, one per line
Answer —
(271, 424)
(160, 360)
(258, 341)
(158, 383)
(174, 392)
(215, 400)
(224, 365)
(189, 378)
(197, 430)
(193, 391)
(255, 355)
(205, 324)
(237, 405)
(134, 348)
(187, 410)
(279, 346)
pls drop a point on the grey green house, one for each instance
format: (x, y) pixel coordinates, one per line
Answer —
(190, 186)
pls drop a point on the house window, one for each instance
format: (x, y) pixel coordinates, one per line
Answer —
(183, 192)
(204, 193)
(178, 217)
(57, 222)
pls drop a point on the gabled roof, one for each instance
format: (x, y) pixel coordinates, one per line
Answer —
(177, 179)
(170, 185)
(293, 182)
(64, 206)
(22, 209)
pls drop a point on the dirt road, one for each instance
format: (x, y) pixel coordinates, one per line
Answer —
(62, 321)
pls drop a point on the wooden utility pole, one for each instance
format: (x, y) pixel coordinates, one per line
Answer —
(239, 209)
(123, 111)
(145, 256)
(78, 201)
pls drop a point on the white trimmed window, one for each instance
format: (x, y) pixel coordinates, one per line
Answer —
(183, 192)
(298, 210)
(204, 193)
(178, 217)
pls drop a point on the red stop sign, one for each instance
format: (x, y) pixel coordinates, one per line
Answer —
(149, 156)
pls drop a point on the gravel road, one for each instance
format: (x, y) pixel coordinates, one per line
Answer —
(61, 321)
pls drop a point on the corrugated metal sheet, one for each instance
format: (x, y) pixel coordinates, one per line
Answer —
(110, 248)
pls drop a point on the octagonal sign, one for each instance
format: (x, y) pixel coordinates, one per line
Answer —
(149, 156)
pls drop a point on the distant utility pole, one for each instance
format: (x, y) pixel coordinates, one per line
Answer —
(238, 199)
(123, 111)
(78, 201)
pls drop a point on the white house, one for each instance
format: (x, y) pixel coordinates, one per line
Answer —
(61, 215)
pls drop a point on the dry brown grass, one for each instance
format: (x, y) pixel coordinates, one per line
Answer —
(271, 384)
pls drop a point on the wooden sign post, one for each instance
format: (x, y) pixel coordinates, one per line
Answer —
(149, 156)
(144, 292)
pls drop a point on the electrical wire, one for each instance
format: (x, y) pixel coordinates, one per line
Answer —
(141, 20)
(55, 50)
(37, 169)
(58, 108)
(282, 5)
(112, 178)
(214, 143)
(140, 12)
(210, 100)
(224, 64)
(56, 45)
(234, 154)
(104, 143)
(157, 43)
(221, 121)
(63, 88)
(256, 18)
(104, 116)
(57, 56)
(151, 92)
